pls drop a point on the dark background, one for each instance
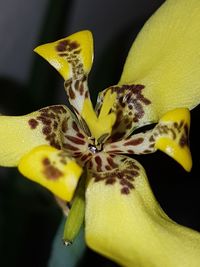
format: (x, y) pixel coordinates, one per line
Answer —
(29, 217)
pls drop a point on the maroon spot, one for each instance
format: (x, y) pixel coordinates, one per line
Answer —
(71, 93)
(75, 140)
(183, 141)
(80, 135)
(125, 190)
(75, 127)
(50, 171)
(151, 139)
(86, 94)
(84, 157)
(33, 123)
(55, 125)
(116, 151)
(108, 168)
(70, 147)
(116, 136)
(134, 142)
(110, 180)
(98, 160)
(64, 126)
(44, 119)
(61, 47)
(46, 161)
(111, 162)
(130, 151)
(77, 84)
(46, 130)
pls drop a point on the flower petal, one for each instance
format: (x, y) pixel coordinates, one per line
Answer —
(130, 107)
(72, 57)
(165, 58)
(171, 136)
(53, 169)
(129, 226)
(141, 143)
(20, 134)
(61, 54)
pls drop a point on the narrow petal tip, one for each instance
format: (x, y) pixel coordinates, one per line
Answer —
(61, 53)
(172, 136)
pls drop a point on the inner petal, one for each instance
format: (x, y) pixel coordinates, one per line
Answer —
(131, 108)
(111, 169)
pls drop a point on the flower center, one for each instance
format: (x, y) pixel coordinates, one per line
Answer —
(93, 149)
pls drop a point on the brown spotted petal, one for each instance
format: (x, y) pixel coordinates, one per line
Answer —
(53, 169)
(114, 170)
(50, 125)
(72, 57)
(131, 107)
(20, 134)
(141, 143)
(125, 223)
(74, 139)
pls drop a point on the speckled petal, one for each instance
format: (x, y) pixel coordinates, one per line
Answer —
(20, 134)
(170, 135)
(128, 225)
(53, 169)
(72, 57)
(130, 107)
(141, 143)
(165, 58)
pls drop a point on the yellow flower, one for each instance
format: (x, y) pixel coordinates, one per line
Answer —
(159, 84)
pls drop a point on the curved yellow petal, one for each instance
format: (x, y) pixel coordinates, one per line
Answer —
(165, 58)
(62, 54)
(131, 108)
(53, 169)
(171, 136)
(20, 134)
(72, 57)
(132, 229)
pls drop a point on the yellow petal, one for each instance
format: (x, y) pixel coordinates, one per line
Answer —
(20, 134)
(53, 169)
(61, 53)
(171, 136)
(165, 58)
(132, 229)
(72, 57)
(131, 108)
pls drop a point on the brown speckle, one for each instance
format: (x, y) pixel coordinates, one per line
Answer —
(50, 171)
(33, 123)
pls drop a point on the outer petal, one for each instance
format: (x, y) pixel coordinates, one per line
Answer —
(130, 107)
(129, 227)
(57, 53)
(20, 134)
(170, 135)
(72, 57)
(165, 58)
(53, 169)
